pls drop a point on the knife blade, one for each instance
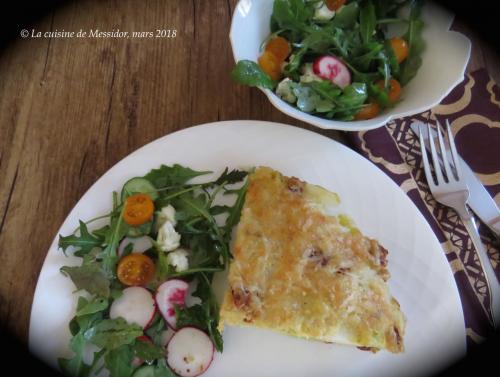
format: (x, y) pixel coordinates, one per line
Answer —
(480, 201)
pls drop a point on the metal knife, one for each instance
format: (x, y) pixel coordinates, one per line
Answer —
(480, 200)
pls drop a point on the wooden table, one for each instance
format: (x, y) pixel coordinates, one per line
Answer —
(70, 108)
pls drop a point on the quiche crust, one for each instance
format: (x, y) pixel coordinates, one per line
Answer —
(303, 272)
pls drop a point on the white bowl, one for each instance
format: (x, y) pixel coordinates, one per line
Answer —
(443, 63)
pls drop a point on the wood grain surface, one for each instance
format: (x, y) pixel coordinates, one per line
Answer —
(71, 108)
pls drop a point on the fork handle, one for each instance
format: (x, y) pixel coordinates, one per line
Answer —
(489, 272)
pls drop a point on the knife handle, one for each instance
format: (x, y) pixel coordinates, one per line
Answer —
(489, 272)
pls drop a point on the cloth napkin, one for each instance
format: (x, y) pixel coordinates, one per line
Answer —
(473, 110)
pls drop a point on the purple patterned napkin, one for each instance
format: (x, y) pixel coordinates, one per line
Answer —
(473, 109)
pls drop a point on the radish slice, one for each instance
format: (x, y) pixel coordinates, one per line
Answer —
(135, 305)
(190, 352)
(172, 292)
(139, 244)
(331, 68)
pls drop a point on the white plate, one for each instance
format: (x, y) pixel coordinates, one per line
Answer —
(443, 63)
(421, 279)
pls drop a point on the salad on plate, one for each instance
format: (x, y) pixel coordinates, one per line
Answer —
(336, 58)
(146, 305)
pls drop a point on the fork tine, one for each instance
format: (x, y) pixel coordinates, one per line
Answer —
(444, 156)
(453, 150)
(425, 160)
(435, 157)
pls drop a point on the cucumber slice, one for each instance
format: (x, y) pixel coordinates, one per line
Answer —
(145, 371)
(139, 185)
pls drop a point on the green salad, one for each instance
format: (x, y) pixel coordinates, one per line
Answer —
(334, 58)
(147, 307)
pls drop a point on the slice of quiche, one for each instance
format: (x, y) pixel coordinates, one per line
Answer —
(301, 271)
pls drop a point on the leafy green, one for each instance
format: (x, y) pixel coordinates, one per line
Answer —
(205, 315)
(83, 243)
(90, 313)
(89, 277)
(147, 351)
(95, 305)
(230, 177)
(118, 229)
(75, 366)
(162, 370)
(367, 21)
(175, 175)
(118, 361)
(234, 212)
(249, 73)
(416, 44)
(155, 329)
(379, 94)
(113, 333)
(391, 57)
(347, 16)
(291, 14)
(141, 230)
(354, 95)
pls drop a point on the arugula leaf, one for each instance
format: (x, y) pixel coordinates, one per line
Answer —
(175, 175)
(118, 229)
(113, 333)
(367, 21)
(141, 230)
(163, 268)
(326, 89)
(379, 94)
(347, 16)
(86, 319)
(235, 211)
(147, 351)
(155, 329)
(363, 61)
(162, 370)
(83, 243)
(101, 232)
(205, 315)
(295, 60)
(118, 361)
(291, 14)
(89, 277)
(384, 67)
(90, 313)
(249, 73)
(416, 44)
(75, 366)
(391, 57)
(230, 177)
(95, 305)
(354, 95)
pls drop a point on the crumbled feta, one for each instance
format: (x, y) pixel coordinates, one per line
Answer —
(178, 259)
(322, 13)
(308, 74)
(168, 239)
(284, 91)
(166, 214)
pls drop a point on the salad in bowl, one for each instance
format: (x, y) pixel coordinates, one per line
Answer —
(336, 63)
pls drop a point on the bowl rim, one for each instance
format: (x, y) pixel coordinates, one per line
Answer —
(359, 125)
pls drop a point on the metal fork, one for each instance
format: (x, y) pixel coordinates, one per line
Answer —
(449, 188)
